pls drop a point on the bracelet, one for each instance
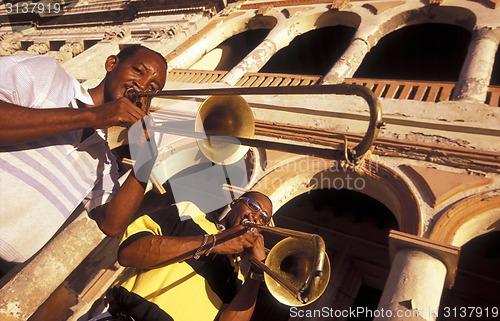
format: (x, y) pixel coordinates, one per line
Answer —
(256, 276)
(198, 251)
(213, 245)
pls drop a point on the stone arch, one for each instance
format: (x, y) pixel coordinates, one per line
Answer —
(216, 32)
(439, 36)
(233, 47)
(316, 20)
(302, 174)
(313, 42)
(458, 16)
(473, 216)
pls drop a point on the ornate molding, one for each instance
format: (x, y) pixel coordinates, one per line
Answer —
(163, 32)
(39, 48)
(116, 33)
(10, 43)
(469, 209)
(74, 48)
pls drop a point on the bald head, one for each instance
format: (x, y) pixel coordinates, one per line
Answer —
(253, 206)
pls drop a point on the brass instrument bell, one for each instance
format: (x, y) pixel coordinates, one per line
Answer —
(224, 115)
(293, 259)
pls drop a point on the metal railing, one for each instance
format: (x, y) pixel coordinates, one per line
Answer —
(429, 91)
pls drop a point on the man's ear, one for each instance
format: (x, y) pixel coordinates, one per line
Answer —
(111, 63)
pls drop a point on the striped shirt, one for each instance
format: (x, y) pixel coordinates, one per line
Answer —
(42, 182)
(188, 290)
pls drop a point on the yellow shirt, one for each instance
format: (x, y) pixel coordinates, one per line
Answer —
(188, 290)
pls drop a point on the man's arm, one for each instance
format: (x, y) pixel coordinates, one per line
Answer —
(243, 304)
(21, 124)
(152, 250)
(114, 216)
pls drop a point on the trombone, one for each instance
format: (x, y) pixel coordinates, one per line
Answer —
(353, 155)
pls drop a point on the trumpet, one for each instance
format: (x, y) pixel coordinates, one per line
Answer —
(297, 269)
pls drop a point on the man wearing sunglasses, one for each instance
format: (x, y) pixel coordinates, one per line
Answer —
(185, 268)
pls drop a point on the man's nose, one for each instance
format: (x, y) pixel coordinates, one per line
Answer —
(140, 84)
(256, 217)
(143, 82)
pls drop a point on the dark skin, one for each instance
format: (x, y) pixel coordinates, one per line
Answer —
(145, 70)
(150, 251)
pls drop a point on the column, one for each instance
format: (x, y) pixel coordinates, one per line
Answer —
(21, 296)
(252, 62)
(420, 269)
(476, 71)
(209, 37)
(278, 38)
(348, 63)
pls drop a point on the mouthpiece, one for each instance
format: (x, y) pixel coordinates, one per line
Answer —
(131, 94)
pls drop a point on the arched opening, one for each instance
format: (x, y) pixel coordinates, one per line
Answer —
(354, 227)
(477, 283)
(230, 52)
(428, 51)
(312, 53)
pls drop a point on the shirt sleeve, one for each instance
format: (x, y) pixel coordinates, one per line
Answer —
(165, 221)
(36, 81)
(153, 224)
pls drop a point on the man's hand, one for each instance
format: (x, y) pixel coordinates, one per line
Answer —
(258, 249)
(120, 112)
(240, 239)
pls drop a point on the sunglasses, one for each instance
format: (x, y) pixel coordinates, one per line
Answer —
(255, 207)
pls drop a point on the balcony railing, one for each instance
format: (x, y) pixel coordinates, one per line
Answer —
(384, 88)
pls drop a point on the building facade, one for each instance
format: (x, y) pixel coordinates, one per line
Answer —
(412, 226)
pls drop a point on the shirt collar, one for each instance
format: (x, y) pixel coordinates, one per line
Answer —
(82, 93)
